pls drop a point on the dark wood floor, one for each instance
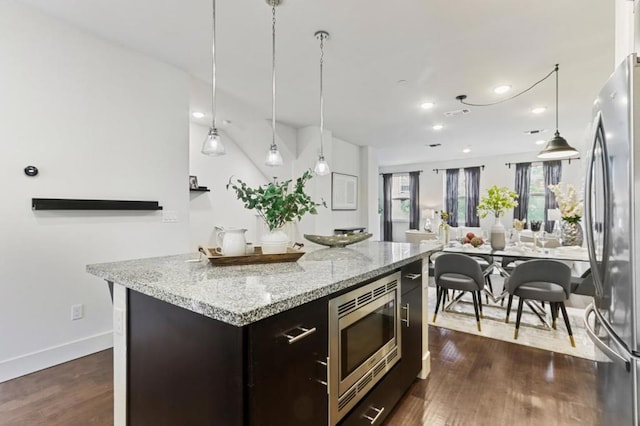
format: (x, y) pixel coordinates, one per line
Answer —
(474, 381)
(480, 381)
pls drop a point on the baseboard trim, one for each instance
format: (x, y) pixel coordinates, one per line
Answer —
(45, 358)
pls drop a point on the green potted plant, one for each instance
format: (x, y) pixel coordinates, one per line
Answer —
(496, 201)
(277, 203)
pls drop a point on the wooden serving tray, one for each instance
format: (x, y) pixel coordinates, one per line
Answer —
(257, 257)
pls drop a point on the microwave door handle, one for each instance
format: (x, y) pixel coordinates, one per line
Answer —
(607, 350)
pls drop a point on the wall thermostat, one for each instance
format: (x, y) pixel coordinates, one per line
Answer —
(31, 170)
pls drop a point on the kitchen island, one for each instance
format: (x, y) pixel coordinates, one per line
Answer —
(249, 345)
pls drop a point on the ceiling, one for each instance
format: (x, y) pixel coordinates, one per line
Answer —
(440, 48)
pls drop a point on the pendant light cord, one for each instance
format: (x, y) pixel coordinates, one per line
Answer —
(213, 68)
(273, 74)
(462, 98)
(322, 37)
(556, 71)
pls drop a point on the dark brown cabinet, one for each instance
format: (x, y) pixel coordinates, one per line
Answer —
(185, 368)
(287, 367)
(411, 303)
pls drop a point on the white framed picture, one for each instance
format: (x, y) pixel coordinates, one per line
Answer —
(344, 192)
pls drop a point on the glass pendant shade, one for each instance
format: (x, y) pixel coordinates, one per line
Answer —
(558, 147)
(212, 144)
(322, 167)
(274, 158)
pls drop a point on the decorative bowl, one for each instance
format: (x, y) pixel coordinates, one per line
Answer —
(340, 240)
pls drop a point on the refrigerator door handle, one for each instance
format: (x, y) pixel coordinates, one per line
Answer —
(598, 136)
(588, 220)
(607, 350)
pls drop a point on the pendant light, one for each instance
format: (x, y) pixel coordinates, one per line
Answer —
(322, 167)
(557, 147)
(274, 158)
(212, 144)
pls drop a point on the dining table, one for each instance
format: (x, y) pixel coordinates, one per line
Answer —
(521, 252)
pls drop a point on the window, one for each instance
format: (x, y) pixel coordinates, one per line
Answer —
(400, 201)
(462, 196)
(536, 193)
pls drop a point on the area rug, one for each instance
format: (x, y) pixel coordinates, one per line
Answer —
(532, 333)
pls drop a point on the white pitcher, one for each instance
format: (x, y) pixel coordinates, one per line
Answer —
(231, 242)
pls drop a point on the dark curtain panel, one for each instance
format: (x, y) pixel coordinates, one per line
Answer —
(414, 200)
(523, 180)
(387, 229)
(451, 196)
(472, 186)
(552, 175)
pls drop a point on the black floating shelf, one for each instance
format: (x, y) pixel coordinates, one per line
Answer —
(73, 204)
(200, 189)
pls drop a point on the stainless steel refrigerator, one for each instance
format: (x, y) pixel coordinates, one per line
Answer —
(612, 222)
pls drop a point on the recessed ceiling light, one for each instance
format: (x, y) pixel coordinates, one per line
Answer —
(538, 110)
(541, 142)
(437, 127)
(427, 105)
(197, 114)
(502, 89)
(466, 150)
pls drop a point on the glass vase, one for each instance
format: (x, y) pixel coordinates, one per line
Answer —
(443, 233)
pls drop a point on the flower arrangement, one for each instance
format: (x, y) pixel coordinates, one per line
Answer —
(571, 208)
(274, 202)
(497, 201)
(444, 218)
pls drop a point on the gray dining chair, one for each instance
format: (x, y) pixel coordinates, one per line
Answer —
(542, 280)
(583, 285)
(458, 272)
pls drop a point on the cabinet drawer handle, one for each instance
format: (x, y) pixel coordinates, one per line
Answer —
(327, 365)
(413, 276)
(378, 414)
(305, 332)
(406, 321)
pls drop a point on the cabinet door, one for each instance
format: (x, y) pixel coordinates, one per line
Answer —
(411, 311)
(285, 371)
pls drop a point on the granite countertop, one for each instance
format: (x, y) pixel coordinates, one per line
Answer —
(241, 295)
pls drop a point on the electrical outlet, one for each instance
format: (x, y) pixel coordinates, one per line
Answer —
(118, 321)
(169, 216)
(77, 311)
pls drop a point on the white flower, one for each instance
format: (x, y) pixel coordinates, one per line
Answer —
(569, 204)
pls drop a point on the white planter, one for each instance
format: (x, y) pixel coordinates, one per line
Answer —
(275, 242)
(498, 241)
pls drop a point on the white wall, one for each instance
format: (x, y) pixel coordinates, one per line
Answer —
(220, 206)
(495, 173)
(345, 159)
(99, 122)
(626, 27)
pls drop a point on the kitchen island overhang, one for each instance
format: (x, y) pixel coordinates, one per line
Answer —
(240, 301)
